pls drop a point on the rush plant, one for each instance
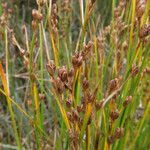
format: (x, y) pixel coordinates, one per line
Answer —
(74, 77)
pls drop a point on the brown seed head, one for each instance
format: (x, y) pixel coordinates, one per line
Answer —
(75, 115)
(140, 8)
(119, 132)
(69, 102)
(114, 114)
(51, 67)
(113, 84)
(34, 25)
(41, 2)
(86, 50)
(111, 139)
(73, 135)
(127, 101)
(98, 105)
(85, 84)
(79, 108)
(134, 70)
(69, 116)
(77, 60)
(63, 73)
(71, 73)
(59, 85)
(22, 52)
(144, 31)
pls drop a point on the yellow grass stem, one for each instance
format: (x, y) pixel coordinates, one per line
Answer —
(5, 86)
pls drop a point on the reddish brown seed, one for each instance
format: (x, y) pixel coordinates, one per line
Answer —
(34, 13)
(34, 25)
(73, 135)
(85, 84)
(79, 108)
(134, 70)
(119, 132)
(63, 73)
(111, 139)
(140, 7)
(51, 67)
(39, 17)
(75, 115)
(77, 60)
(69, 115)
(98, 105)
(22, 52)
(68, 102)
(114, 114)
(127, 101)
(71, 73)
(113, 84)
(144, 31)
(59, 85)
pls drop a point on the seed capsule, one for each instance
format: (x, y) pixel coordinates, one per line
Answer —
(63, 74)
(75, 115)
(34, 25)
(98, 105)
(114, 114)
(134, 70)
(51, 67)
(68, 102)
(127, 101)
(77, 60)
(144, 31)
(85, 84)
(69, 115)
(119, 133)
(71, 73)
(140, 7)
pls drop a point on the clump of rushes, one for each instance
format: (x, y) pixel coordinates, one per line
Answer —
(77, 83)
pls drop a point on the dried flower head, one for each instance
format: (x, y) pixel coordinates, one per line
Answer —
(99, 104)
(73, 135)
(113, 84)
(69, 116)
(114, 114)
(134, 70)
(63, 73)
(127, 101)
(37, 15)
(86, 50)
(51, 67)
(69, 102)
(41, 2)
(75, 115)
(77, 60)
(140, 8)
(119, 132)
(34, 25)
(111, 139)
(85, 84)
(71, 73)
(144, 31)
